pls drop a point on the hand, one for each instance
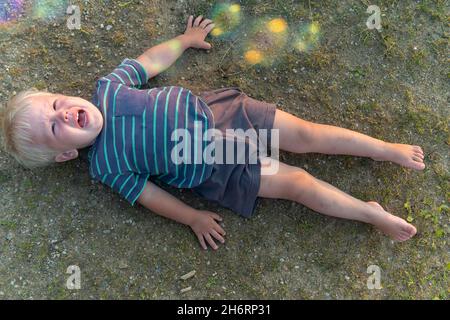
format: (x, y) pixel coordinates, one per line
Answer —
(197, 31)
(205, 227)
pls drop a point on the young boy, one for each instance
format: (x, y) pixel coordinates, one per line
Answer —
(131, 133)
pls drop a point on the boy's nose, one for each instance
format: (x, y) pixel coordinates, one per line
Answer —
(69, 116)
(64, 115)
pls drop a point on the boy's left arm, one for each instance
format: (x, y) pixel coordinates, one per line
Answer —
(158, 58)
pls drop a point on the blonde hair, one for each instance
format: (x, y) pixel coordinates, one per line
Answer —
(17, 132)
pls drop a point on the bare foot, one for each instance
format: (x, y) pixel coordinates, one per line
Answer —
(403, 154)
(395, 227)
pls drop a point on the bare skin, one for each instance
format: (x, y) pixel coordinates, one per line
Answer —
(300, 136)
(291, 183)
(296, 135)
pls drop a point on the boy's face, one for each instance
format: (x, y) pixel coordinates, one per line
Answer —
(64, 123)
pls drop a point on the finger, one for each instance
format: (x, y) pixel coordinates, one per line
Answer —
(217, 236)
(197, 21)
(212, 214)
(202, 241)
(211, 241)
(220, 230)
(210, 27)
(205, 23)
(205, 45)
(189, 23)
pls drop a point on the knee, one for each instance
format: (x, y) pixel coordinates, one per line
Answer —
(301, 184)
(306, 132)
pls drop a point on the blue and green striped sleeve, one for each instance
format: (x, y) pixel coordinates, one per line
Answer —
(129, 185)
(130, 73)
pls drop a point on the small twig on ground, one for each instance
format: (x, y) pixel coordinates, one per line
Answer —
(226, 53)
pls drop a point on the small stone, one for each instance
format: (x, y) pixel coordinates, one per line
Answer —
(9, 236)
(123, 265)
(108, 27)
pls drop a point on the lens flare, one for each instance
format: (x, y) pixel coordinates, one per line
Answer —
(307, 38)
(10, 10)
(277, 25)
(301, 46)
(267, 39)
(226, 17)
(163, 62)
(49, 9)
(314, 28)
(234, 8)
(253, 56)
(216, 32)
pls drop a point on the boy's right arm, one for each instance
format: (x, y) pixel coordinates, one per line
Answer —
(160, 57)
(203, 223)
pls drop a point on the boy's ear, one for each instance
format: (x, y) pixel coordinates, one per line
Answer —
(67, 155)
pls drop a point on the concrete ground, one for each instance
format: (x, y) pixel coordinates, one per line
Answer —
(393, 85)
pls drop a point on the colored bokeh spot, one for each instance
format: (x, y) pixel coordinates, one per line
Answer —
(314, 28)
(217, 32)
(277, 25)
(49, 9)
(226, 17)
(307, 38)
(10, 10)
(234, 8)
(253, 56)
(267, 39)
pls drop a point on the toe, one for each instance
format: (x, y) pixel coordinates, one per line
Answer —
(418, 149)
(420, 165)
(417, 165)
(410, 230)
(420, 155)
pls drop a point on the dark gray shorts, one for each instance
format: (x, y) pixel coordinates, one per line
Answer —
(236, 186)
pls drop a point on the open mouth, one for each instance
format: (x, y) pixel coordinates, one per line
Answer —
(82, 118)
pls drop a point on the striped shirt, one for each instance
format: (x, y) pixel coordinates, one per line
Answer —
(137, 139)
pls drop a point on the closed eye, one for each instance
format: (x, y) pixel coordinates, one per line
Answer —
(54, 105)
(53, 128)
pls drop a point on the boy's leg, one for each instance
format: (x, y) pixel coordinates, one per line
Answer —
(296, 184)
(300, 136)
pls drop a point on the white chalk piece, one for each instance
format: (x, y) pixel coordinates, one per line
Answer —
(188, 275)
(185, 289)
